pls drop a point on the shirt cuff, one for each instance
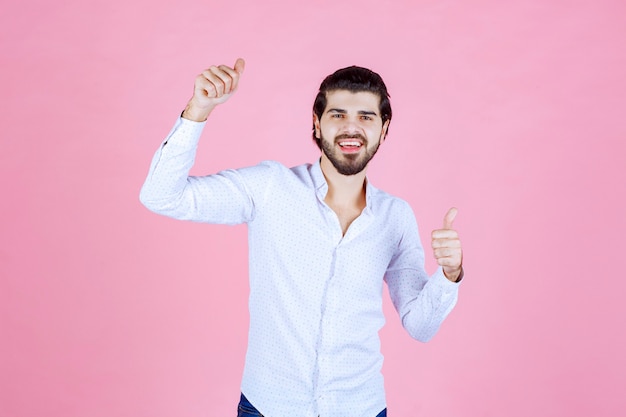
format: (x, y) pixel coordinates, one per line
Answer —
(441, 279)
(185, 133)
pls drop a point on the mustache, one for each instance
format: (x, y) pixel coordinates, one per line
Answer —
(351, 136)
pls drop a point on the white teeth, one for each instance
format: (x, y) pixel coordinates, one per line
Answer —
(350, 144)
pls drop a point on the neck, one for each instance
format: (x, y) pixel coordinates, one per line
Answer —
(343, 189)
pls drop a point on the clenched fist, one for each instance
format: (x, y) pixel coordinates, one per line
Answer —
(213, 86)
(447, 248)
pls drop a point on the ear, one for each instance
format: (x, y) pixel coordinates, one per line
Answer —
(316, 126)
(383, 132)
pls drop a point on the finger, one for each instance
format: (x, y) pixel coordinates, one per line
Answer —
(446, 252)
(446, 243)
(224, 76)
(444, 234)
(217, 82)
(240, 65)
(233, 78)
(450, 262)
(449, 218)
(205, 87)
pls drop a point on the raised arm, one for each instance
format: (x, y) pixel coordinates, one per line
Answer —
(169, 190)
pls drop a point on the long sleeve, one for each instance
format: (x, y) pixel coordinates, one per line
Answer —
(170, 191)
(422, 302)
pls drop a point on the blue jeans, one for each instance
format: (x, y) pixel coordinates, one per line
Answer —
(245, 409)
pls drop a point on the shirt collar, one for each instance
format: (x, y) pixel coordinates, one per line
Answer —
(319, 181)
(321, 186)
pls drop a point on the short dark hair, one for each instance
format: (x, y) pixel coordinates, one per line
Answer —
(354, 79)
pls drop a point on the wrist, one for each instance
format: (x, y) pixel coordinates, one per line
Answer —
(196, 113)
(454, 276)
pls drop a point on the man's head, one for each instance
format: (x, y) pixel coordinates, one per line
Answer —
(351, 115)
(354, 79)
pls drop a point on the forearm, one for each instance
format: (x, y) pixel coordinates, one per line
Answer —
(423, 303)
(167, 179)
(430, 308)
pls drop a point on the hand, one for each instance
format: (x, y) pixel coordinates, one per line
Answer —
(447, 247)
(214, 86)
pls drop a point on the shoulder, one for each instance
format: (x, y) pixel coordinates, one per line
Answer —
(297, 174)
(390, 204)
(263, 170)
(268, 174)
(396, 214)
(278, 167)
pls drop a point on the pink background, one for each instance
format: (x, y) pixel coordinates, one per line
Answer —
(512, 111)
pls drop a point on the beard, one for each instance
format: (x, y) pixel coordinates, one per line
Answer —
(348, 164)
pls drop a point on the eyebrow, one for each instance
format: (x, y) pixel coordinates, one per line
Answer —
(361, 112)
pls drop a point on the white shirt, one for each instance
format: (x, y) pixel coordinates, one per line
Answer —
(315, 295)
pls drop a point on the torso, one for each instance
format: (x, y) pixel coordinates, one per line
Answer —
(346, 215)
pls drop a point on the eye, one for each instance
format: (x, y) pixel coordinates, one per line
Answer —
(366, 117)
(336, 116)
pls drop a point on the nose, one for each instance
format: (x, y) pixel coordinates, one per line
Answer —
(351, 126)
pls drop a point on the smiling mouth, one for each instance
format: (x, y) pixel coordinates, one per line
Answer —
(350, 144)
(350, 147)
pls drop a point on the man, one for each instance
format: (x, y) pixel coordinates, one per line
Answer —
(322, 240)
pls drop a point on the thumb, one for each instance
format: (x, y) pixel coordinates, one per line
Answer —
(449, 218)
(240, 64)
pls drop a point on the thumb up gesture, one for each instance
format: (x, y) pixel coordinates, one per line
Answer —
(447, 247)
(212, 87)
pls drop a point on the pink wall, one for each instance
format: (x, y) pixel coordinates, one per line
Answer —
(512, 111)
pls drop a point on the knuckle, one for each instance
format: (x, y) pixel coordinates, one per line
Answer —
(201, 80)
(224, 68)
(210, 90)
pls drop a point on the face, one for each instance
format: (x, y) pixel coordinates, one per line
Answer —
(350, 129)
